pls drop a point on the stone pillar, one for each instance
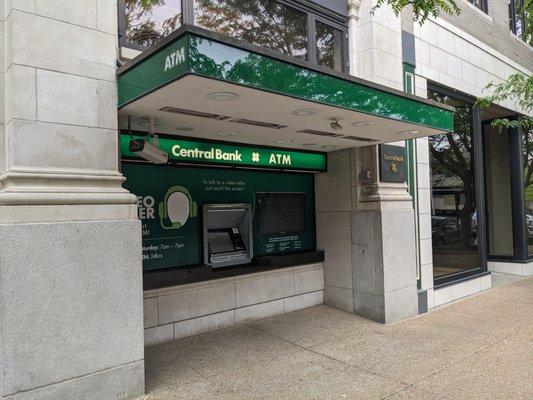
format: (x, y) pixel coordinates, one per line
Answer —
(367, 231)
(71, 323)
(353, 39)
(378, 45)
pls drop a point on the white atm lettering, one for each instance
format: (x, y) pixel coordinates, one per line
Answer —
(175, 58)
(280, 159)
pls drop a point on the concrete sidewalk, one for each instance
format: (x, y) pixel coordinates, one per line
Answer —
(477, 348)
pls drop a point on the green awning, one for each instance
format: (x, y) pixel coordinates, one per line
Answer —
(174, 80)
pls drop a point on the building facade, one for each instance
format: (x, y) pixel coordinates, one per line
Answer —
(170, 168)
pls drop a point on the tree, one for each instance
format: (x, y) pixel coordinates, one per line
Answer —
(141, 25)
(266, 23)
(524, 19)
(518, 88)
(422, 9)
(453, 167)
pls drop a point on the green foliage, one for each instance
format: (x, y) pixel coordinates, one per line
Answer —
(266, 23)
(452, 167)
(518, 88)
(422, 9)
(142, 27)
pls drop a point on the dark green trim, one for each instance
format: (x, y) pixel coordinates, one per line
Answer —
(223, 59)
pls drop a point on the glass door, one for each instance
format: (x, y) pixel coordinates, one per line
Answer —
(454, 198)
(498, 193)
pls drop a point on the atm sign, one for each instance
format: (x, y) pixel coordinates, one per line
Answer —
(222, 153)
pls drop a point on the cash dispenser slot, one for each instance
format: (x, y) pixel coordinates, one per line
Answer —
(227, 234)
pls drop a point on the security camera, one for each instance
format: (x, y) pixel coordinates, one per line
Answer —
(148, 151)
(334, 124)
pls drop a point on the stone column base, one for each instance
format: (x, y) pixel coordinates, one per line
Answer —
(367, 229)
(71, 310)
(384, 264)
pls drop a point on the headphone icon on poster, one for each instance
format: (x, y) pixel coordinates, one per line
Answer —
(178, 207)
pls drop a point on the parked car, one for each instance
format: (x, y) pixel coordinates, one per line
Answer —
(444, 230)
(529, 227)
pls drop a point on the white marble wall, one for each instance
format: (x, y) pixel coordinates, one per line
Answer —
(450, 57)
(60, 136)
(378, 45)
(447, 294)
(184, 310)
(522, 269)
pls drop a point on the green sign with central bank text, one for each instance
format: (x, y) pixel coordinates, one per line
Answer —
(216, 153)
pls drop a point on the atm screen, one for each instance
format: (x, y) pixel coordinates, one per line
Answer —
(220, 242)
(281, 213)
(224, 240)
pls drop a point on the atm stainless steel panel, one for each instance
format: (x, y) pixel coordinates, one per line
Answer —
(224, 225)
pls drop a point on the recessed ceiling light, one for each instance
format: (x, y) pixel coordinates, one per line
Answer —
(409, 132)
(184, 129)
(283, 141)
(226, 133)
(304, 112)
(222, 96)
(362, 123)
(328, 146)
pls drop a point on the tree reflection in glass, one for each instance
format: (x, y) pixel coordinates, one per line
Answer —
(454, 217)
(527, 160)
(265, 23)
(148, 21)
(328, 46)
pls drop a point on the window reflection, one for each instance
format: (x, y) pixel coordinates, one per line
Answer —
(148, 21)
(527, 145)
(517, 20)
(328, 46)
(454, 217)
(498, 191)
(265, 23)
(479, 4)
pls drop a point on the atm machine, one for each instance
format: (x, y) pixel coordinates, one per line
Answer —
(227, 234)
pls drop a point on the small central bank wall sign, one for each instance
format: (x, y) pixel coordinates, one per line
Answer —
(392, 163)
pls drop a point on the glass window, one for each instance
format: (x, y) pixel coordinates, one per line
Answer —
(516, 18)
(265, 23)
(148, 21)
(328, 46)
(453, 195)
(408, 79)
(481, 4)
(498, 192)
(527, 146)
